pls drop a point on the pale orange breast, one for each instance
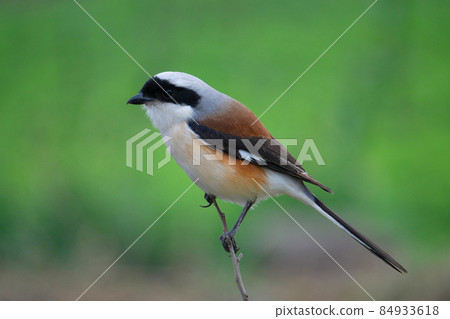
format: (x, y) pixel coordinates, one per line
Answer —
(224, 176)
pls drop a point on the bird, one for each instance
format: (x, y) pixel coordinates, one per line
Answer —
(230, 155)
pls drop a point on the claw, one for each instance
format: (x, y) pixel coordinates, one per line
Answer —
(210, 199)
(224, 239)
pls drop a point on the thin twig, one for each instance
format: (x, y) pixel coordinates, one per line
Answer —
(237, 272)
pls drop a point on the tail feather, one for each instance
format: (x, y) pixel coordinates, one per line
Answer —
(363, 240)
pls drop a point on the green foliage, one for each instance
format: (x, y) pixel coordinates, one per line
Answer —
(376, 105)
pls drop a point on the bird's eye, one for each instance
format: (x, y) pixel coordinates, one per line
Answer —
(170, 92)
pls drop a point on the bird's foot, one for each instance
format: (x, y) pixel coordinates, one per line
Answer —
(210, 199)
(224, 239)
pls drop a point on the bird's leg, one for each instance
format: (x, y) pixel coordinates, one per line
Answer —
(224, 237)
(230, 234)
(236, 226)
(210, 199)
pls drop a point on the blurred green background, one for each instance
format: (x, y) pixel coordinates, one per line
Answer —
(376, 106)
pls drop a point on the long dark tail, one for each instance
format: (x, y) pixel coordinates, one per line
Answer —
(363, 240)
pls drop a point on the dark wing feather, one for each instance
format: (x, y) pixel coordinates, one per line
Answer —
(270, 154)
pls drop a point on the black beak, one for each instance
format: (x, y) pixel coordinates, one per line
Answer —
(139, 99)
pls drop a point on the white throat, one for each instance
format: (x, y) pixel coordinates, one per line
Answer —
(165, 116)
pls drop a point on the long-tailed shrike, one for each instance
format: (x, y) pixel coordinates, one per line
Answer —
(245, 163)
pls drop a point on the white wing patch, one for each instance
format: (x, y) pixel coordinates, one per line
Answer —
(251, 157)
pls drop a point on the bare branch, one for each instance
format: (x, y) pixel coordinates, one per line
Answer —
(237, 272)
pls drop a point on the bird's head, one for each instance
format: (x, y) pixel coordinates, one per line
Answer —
(173, 97)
